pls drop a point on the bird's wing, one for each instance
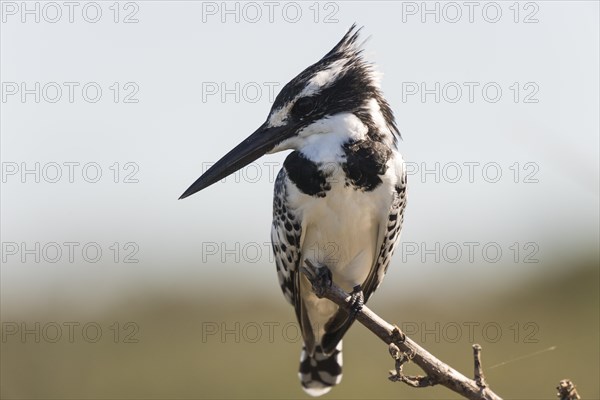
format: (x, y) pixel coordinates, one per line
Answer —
(388, 238)
(286, 236)
(389, 231)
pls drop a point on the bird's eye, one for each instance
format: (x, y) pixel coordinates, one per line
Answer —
(303, 106)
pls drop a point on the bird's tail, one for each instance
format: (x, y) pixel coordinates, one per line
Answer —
(320, 372)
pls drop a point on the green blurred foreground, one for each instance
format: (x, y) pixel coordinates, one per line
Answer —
(245, 348)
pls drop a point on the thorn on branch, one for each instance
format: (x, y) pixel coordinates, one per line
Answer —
(397, 335)
(479, 378)
(567, 391)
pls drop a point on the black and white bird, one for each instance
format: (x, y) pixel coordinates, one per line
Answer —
(339, 198)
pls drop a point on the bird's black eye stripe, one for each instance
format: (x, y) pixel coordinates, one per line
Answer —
(303, 106)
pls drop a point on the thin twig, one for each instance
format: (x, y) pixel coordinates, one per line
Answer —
(437, 372)
(479, 378)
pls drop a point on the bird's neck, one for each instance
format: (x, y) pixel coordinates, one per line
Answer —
(327, 145)
(329, 140)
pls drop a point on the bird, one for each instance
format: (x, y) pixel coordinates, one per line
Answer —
(339, 197)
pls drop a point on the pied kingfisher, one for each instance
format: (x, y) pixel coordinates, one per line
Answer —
(339, 198)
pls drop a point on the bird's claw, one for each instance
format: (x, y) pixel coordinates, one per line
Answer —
(319, 277)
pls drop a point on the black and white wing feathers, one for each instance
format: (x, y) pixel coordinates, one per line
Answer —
(286, 234)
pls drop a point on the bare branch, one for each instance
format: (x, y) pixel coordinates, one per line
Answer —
(405, 349)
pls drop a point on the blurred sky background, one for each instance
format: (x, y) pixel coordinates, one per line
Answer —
(173, 59)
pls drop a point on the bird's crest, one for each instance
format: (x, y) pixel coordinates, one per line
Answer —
(341, 81)
(348, 45)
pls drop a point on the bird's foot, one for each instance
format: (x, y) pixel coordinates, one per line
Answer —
(357, 301)
(319, 277)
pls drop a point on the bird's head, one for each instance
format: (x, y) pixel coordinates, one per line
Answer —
(341, 90)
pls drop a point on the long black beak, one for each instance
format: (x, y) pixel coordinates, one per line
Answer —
(253, 147)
